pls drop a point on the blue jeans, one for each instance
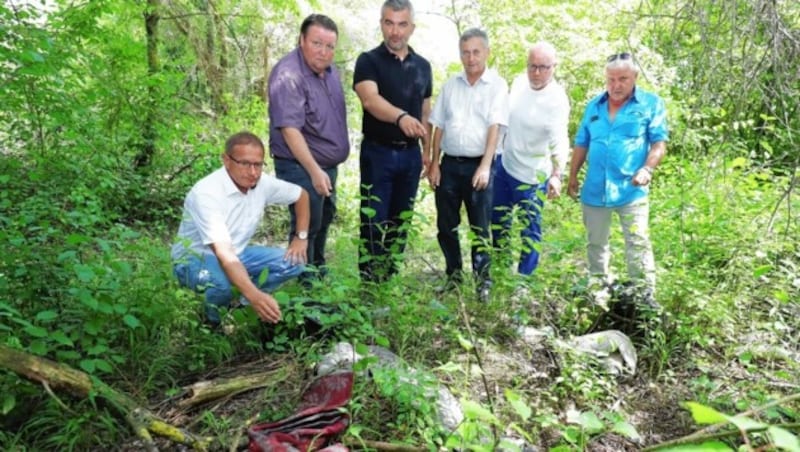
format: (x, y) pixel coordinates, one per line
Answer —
(323, 208)
(203, 274)
(510, 192)
(389, 182)
(456, 188)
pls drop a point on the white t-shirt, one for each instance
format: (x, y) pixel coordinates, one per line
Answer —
(465, 112)
(215, 211)
(537, 135)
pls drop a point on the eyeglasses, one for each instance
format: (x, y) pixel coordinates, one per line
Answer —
(319, 45)
(539, 67)
(619, 56)
(248, 165)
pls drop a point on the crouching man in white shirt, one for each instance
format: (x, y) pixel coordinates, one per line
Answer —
(221, 213)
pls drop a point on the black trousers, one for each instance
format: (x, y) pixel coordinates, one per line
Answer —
(455, 189)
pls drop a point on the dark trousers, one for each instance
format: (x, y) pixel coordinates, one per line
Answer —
(323, 208)
(389, 181)
(510, 192)
(454, 189)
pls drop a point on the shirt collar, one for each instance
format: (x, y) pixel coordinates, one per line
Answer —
(484, 78)
(385, 50)
(228, 185)
(635, 96)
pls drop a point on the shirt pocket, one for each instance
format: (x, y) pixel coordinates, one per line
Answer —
(630, 145)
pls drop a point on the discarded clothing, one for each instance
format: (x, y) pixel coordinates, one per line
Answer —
(316, 425)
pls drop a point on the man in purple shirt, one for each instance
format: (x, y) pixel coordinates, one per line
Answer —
(308, 128)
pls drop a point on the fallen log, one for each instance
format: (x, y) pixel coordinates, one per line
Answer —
(59, 376)
(204, 391)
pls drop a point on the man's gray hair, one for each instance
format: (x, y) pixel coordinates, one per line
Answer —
(623, 60)
(399, 5)
(545, 48)
(474, 33)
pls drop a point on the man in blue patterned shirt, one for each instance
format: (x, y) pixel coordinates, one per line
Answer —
(623, 136)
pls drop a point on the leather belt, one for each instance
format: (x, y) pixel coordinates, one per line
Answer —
(463, 159)
(396, 144)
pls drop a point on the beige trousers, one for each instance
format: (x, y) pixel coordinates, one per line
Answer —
(638, 251)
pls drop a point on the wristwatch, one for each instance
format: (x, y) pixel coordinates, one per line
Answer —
(302, 235)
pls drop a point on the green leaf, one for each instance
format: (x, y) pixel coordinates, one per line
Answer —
(119, 359)
(84, 272)
(368, 212)
(746, 424)
(590, 422)
(35, 331)
(465, 343)
(87, 365)
(705, 415)
(102, 365)
(784, 439)
(627, 430)
(518, 404)
(572, 434)
(739, 162)
(61, 337)
(131, 321)
(87, 299)
(475, 411)
(98, 349)
(93, 327)
(262, 277)
(46, 316)
(77, 239)
(9, 402)
(38, 348)
(69, 254)
(449, 367)
(67, 355)
(762, 270)
(382, 341)
(105, 307)
(561, 449)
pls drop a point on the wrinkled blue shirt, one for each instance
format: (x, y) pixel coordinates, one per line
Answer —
(617, 150)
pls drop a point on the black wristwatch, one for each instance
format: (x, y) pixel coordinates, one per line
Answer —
(302, 235)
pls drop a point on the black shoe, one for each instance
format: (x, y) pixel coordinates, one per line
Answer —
(450, 285)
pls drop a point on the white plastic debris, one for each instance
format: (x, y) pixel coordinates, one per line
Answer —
(612, 347)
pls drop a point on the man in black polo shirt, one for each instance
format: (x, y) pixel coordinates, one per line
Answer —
(394, 85)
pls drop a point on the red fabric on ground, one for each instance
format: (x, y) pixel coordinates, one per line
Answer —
(317, 423)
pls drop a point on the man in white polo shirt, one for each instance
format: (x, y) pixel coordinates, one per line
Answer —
(535, 152)
(220, 215)
(468, 117)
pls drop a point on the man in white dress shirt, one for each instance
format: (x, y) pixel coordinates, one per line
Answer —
(535, 152)
(468, 117)
(213, 254)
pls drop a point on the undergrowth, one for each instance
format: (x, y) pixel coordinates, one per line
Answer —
(94, 292)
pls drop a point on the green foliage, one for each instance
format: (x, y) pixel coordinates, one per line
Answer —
(753, 432)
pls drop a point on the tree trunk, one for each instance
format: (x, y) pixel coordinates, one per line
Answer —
(79, 384)
(148, 148)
